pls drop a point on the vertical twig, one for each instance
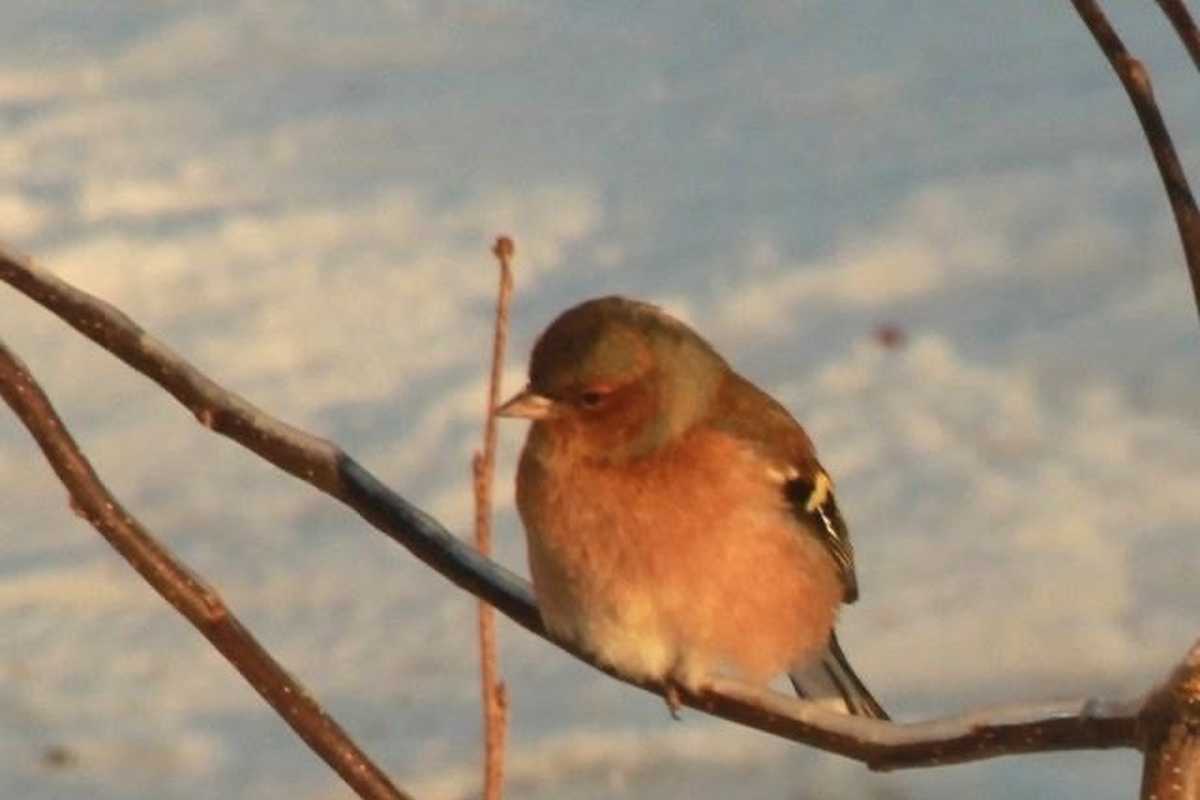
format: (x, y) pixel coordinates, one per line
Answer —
(1185, 26)
(494, 696)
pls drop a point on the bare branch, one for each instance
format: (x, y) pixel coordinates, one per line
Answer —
(483, 466)
(1169, 723)
(1185, 26)
(1076, 725)
(182, 588)
(1136, 80)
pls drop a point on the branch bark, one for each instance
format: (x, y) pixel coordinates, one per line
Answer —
(183, 589)
(1076, 725)
(1171, 733)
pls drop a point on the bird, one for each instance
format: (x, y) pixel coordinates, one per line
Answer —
(678, 523)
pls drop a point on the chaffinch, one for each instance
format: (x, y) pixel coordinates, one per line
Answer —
(678, 521)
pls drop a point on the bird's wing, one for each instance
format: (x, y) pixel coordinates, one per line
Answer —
(745, 411)
(810, 496)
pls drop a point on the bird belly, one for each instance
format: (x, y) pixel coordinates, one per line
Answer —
(587, 596)
(666, 572)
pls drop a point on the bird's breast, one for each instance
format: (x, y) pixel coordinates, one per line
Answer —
(683, 561)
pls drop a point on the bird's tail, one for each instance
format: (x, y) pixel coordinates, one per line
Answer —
(831, 681)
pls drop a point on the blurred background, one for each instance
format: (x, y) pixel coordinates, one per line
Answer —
(933, 230)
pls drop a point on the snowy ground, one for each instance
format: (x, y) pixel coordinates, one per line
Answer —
(300, 199)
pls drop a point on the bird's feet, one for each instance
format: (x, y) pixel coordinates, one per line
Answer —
(671, 696)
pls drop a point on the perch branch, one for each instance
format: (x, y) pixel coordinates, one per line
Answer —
(1136, 80)
(182, 588)
(1077, 725)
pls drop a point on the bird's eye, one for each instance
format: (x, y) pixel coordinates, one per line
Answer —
(592, 398)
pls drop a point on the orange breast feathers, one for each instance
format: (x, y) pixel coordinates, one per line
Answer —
(680, 564)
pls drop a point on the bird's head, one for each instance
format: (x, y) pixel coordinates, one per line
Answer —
(618, 379)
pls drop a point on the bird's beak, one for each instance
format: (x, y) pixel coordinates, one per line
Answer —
(527, 404)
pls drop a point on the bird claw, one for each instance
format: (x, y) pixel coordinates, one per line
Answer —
(671, 696)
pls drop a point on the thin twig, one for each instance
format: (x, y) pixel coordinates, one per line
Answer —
(182, 588)
(493, 694)
(1136, 80)
(1077, 725)
(1185, 26)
